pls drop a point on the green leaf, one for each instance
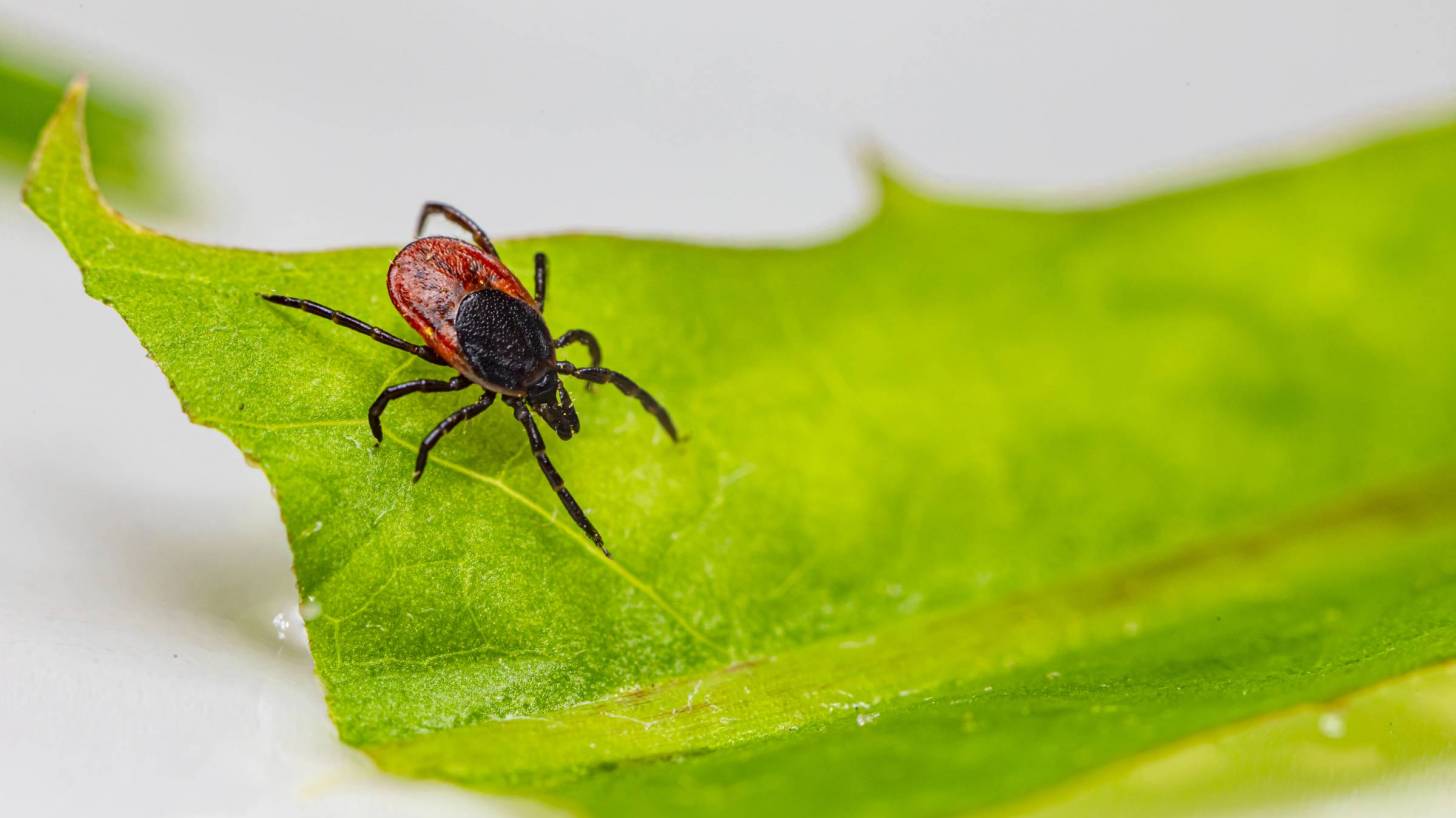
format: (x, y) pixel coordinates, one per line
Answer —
(971, 501)
(1391, 738)
(120, 130)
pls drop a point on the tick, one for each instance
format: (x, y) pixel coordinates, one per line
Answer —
(476, 318)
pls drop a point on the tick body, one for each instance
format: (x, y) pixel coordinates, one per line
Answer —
(476, 318)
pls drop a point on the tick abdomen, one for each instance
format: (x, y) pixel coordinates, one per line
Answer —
(430, 278)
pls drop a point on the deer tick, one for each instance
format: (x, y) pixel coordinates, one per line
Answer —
(476, 318)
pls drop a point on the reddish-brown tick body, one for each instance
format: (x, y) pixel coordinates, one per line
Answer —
(429, 279)
(476, 318)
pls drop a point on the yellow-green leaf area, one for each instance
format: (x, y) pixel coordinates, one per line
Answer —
(971, 501)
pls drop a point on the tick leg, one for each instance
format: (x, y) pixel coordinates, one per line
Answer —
(399, 390)
(596, 374)
(456, 418)
(541, 282)
(586, 339)
(350, 322)
(460, 219)
(581, 336)
(538, 448)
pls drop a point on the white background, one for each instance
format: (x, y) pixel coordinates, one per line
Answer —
(142, 564)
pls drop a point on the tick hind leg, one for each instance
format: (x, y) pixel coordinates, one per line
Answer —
(456, 418)
(399, 390)
(461, 220)
(627, 386)
(350, 322)
(553, 478)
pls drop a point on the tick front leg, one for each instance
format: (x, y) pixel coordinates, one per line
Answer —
(399, 390)
(627, 386)
(350, 322)
(538, 448)
(541, 282)
(456, 418)
(586, 339)
(460, 219)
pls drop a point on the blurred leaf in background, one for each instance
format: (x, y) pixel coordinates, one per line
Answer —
(973, 501)
(122, 132)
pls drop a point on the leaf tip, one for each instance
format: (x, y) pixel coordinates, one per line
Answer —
(76, 88)
(65, 128)
(60, 173)
(875, 163)
(888, 179)
(870, 156)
